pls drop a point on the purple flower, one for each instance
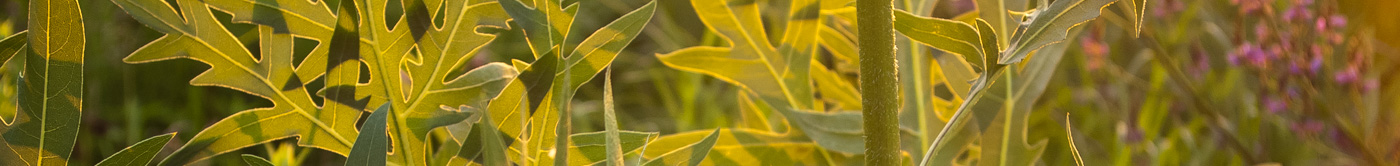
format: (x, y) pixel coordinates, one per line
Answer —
(1303, 2)
(1249, 6)
(1370, 85)
(1346, 76)
(1293, 68)
(1307, 127)
(1337, 21)
(1261, 31)
(1274, 105)
(1316, 63)
(1321, 24)
(1296, 13)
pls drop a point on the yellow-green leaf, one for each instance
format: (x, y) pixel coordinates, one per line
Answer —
(1050, 24)
(252, 160)
(689, 154)
(947, 35)
(9, 48)
(614, 142)
(139, 154)
(51, 91)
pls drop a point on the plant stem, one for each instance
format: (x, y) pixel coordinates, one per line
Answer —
(878, 81)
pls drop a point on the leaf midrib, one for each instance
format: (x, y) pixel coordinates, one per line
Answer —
(762, 55)
(44, 114)
(1036, 32)
(297, 108)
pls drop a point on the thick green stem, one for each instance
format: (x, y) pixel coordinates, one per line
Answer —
(878, 81)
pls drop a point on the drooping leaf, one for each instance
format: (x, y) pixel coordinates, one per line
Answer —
(139, 154)
(51, 90)
(255, 160)
(371, 146)
(1050, 24)
(947, 35)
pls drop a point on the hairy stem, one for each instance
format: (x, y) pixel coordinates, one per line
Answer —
(878, 81)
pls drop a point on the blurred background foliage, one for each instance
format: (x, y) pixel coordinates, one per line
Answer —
(1208, 82)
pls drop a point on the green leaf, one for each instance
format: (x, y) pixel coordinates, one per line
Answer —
(614, 142)
(371, 146)
(1069, 133)
(485, 144)
(9, 47)
(255, 160)
(834, 88)
(1048, 25)
(200, 37)
(51, 91)
(947, 35)
(777, 76)
(357, 34)
(494, 149)
(542, 91)
(1139, 8)
(139, 154)
(691, 154)
(592, 148)
(737, 147)
(1002, 133)
(998, 14)
(545, 25)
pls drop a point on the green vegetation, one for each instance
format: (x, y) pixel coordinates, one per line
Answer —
(699, 82)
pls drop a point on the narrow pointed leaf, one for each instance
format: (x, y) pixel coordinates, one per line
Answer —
(1050, 25)
(614, 142)
(371, 146)
(252, 160)
(691, 154)
(139, 154)
(1139, 14)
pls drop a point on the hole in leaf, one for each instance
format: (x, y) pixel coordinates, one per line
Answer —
(302, 49)
(393, 12)
(441, 17)
(364, 73)
(314, 87)
(247, 34)
(174, 4)
(941, 91)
